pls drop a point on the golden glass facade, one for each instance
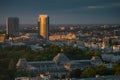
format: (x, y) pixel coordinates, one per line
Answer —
(2, 37)
(43, 26)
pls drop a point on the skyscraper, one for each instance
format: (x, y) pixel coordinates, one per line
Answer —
(12, 26)
(43, 26)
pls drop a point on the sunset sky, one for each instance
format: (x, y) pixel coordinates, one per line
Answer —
(62, 11)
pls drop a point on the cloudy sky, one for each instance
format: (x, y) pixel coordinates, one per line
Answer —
(62, 11)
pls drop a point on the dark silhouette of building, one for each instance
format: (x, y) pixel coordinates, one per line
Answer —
(12, 26)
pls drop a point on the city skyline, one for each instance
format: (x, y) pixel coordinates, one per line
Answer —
(62, 11)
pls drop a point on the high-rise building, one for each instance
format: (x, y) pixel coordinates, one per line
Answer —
(117, 32)
(12, 26)
(43, 26)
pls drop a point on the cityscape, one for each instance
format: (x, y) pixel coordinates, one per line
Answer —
(80, 42)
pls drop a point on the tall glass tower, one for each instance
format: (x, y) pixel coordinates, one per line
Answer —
(12, 26)
(43, 26)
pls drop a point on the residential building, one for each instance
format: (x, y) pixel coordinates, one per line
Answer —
(111, 57)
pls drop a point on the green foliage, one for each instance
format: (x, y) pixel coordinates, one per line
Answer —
(89, 72)
(102, 70)
(75, 73)
(116, 69)
(11, 65)
(20, 73)
(92, 53)
(7, 69)
(9, 56)
(73, 53)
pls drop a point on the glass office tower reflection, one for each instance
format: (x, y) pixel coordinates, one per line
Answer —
(43, 26)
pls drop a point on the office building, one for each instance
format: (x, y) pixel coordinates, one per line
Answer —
(12, 26)
(116, 32)
(2, 38)
(43, 26)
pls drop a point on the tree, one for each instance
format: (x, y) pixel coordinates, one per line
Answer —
(1, 48)
(102, 70)
(11, 65)
(116, 69)
(11, 69)
(75, 73)
(20, 73)
(89, 72)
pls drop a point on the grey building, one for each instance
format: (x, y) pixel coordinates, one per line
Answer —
(12, 26)
(59, 66)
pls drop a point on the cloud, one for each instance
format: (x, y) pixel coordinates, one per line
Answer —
(95, 7)
(112, 5)
(116, 4)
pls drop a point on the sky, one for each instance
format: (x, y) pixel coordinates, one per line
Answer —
(62, 11)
